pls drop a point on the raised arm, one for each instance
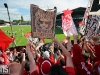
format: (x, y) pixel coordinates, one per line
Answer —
(23, 63)
(69, 62)
(31, 58)
(69, 44)
(52, 52)
(36, 51)
(77, 51)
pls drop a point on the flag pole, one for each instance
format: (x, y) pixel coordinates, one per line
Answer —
(6, 6)
(55, 20)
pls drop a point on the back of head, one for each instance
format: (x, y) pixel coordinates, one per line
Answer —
(57, 70)
(15, 68)
(62, 62)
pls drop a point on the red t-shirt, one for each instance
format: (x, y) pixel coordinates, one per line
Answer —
(46, 65)
(6, 61)
(97, 51)
(78, 61)
(35, 73)
(25, 72)
(97, 59)
(69, 70)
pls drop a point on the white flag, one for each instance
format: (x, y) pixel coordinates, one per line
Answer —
(68, 25)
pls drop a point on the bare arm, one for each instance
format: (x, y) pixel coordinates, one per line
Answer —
(69, 45)
(52, 51)
(36, 51)
(90, 51)
(31, 58)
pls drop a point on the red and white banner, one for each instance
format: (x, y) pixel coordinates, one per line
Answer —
(68, 25)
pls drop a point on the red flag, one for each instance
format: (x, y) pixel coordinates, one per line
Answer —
(66, 19)
(27, 34)
(67, 12)
(4, 40)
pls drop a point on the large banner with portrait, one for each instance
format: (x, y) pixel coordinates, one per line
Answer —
(43, 22)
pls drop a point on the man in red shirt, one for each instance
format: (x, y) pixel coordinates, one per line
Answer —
(97, 55)
(78, 59)
(45, 63)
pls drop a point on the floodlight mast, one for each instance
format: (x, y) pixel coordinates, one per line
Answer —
(6, 6)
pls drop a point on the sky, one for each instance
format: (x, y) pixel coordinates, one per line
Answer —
(18, 8)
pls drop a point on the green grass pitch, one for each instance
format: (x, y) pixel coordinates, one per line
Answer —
(19, 32)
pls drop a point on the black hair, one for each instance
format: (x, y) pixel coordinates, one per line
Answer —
(62, 62)
(27, 67)
(85, 56)
(56, 48)
(57, 70)
(19, 57)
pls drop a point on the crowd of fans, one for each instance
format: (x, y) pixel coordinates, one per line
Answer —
(80, 57)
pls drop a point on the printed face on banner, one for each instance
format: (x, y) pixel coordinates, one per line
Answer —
(43, 22)
(92, 26)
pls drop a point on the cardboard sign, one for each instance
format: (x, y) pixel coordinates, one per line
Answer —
(43, 22)
(36, 41)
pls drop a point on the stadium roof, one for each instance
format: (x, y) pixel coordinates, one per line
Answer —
(78, 12)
